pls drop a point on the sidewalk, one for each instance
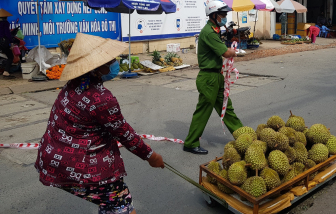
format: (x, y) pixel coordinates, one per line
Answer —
(266, 49)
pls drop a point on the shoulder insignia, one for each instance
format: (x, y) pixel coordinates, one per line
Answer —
(216, 29)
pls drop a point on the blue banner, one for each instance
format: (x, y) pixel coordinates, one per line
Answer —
(60, 21)
(141, 5)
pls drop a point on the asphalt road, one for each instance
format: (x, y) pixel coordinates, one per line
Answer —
(163, 105)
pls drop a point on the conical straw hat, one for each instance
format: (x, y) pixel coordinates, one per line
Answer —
(307, 26)
(4, 13)
(89, 52)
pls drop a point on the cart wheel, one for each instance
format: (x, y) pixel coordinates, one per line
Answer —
(209, 201)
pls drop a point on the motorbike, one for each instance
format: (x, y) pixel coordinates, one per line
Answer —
(21, 45)
(233, 34)
(19, 42)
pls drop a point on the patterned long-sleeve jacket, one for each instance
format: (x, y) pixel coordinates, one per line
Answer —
(80, 142)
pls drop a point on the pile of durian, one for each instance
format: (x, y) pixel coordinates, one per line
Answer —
(262, 159)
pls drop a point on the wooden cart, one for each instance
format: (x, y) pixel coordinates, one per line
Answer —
(257, 201)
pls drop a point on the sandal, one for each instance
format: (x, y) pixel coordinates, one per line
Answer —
(8, 77)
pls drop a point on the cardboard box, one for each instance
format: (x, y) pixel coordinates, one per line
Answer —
(173, 47)
(302, 33)
(278, 28)
(304, 26)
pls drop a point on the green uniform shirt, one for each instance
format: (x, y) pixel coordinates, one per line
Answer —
(210, 48)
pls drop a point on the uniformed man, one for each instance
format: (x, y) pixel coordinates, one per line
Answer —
(210, 82)
(283, 20)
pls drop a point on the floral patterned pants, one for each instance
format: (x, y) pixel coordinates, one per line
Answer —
(113, 198)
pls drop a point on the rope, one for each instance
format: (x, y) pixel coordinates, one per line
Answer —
(191, 181)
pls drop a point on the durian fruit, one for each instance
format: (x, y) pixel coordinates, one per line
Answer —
(310, 164)
(305, 131)
(291, 154)
(296, 122)
(135, 66)
(244, 130)
(224, 174)
(331, 145)
(318, 153)
(279, 162)
(260, 144)
(259, 128)
(290, 133)
(125, 67)
(141, 66)
(271, 178)
(300, 137)
(301, 152)
(299, 167)
(275, 122)
(289, 176)
(318, 133)
(243, 142)
(267, 135)
(229, 145)
(230, 156)
(280, 142)
(215, 167)
(256, 157)
(255, 186)
(237, 173)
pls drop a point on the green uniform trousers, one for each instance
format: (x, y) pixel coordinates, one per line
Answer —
(210, 86)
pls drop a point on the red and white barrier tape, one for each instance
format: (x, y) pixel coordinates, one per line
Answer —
(36, 145)
(152, 137)
(20, 145)
(228, 68)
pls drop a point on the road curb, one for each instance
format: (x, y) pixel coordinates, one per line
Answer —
(36, 87)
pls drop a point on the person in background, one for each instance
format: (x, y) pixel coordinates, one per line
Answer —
(313, 32)
(79, 151)
(321, 20)
(210, 81)
(283, 20)
(6, 43)
(329, 23)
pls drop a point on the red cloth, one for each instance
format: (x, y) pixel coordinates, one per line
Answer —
(313, 38)
(80, 143)
(313, 31)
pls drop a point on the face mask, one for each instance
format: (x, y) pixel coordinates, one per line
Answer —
(223, 22)
(114, 70)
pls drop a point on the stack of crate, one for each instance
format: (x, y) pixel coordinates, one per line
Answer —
(291, 23)
(278, 28)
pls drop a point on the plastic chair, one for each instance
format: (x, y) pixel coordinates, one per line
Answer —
(320, 30)
(324, 31)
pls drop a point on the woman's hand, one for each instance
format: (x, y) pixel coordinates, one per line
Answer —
(156, 160)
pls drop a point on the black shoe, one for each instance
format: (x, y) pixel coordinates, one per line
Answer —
(197, 150)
